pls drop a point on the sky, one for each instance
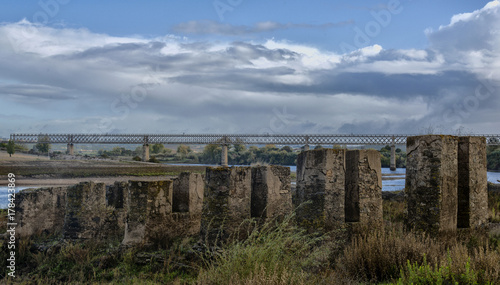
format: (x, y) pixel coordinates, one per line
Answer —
(250, 66)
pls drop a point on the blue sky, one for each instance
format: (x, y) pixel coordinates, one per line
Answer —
(236, 66)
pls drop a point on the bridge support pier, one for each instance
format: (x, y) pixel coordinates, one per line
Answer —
(306, 147)
(145, 152)
(70, 150)
(393, 157)
(223, 158)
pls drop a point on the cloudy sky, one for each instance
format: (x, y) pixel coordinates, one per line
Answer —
(249, 66)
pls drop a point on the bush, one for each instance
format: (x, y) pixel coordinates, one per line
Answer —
(425, 274)
(137, 158)
(154, 159)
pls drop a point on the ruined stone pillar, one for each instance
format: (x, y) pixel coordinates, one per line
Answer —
(271, 192)
(70, 149)
(40, 210)
(87, 215)
(223, 158)
(149, 212)
(431, 182)
(188, 193)
(145, 152)
(472, 182)
(393, 157)
(226, 202)
(321, 180)
(116, 197)
(363, 200)
(187, 204)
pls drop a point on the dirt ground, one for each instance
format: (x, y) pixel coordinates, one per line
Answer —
(54, 182)
(31, 170)
(4, 157)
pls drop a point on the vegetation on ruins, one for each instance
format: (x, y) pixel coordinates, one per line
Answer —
(274, 253)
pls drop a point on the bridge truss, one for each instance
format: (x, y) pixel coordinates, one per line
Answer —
(222, 139)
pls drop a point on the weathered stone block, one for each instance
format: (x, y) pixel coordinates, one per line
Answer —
(226, 202)
(40, 211)
(188, 193)
(116, 197)
(187, 204)
(431, 182)
(87, 215)
(472, 182)
(149, 211)
(271, 192)
(363, 201)
(321, 180)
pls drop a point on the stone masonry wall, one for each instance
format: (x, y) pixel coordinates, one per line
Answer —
(321, 179)
(472, 182)
(116, 197)
(431, 182)
(87, 214)
(149, 211)
(226, 201)
(271, 192)
(187, 205)
(363, 202)
(40, 210)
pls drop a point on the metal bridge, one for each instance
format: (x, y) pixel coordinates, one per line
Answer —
(221, 139)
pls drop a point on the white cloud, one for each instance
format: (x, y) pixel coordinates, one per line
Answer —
(79, 80)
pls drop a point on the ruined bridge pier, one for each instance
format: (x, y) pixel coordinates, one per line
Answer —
(446, 189)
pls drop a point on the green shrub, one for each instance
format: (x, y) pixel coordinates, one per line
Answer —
(426, 274)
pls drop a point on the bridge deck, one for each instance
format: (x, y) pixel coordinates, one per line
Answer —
(223, 139)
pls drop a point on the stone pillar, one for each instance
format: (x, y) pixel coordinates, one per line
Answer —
(393, 157)
(116, 197)
(149, 212)
(187, 204)
(40, 210)
(226, 202)
(431, 182)
(271, 192)
(87, 215)
(145, 152)
(321, 180)
(223, 158)
(306, 147)
(70, 149)
(188, 193)
(363, 200)
(472, 182)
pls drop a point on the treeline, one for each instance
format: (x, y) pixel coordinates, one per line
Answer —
(493, 157)
(385, 154)
(238, 154)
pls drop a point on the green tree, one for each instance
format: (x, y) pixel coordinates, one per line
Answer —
(11, 147)
(157, 148)
(239, 148)
(183, 149)
(318, 146)
(287, 148)
(211, 153)
(43, 145)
